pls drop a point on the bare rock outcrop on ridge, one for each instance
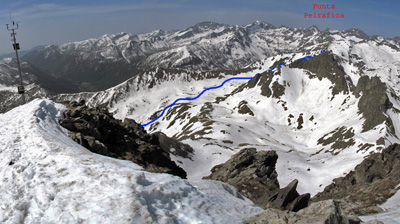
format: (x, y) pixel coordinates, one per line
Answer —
(97, 130)
(253, 174)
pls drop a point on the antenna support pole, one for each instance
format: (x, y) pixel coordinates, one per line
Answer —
(21, 88)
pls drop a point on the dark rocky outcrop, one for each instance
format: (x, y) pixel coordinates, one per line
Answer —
(340, 138)
(288, 198)
(265, 81)
(174, 146)
(373, 102)
(253, 174)
(370, 184)
(327, 65)
(98, 131)
(243, 108)
(328, 212)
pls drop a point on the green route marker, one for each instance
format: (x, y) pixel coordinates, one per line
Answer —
(326, 43)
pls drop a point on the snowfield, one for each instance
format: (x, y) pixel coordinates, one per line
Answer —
(48, 178)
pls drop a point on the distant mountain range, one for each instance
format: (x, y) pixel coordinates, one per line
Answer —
(97, 64)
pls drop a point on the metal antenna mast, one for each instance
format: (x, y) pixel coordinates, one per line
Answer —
(21, 88)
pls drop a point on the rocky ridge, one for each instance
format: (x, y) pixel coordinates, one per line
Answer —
(328, 212)
(370, 184)
(98, 131)
(253, 174)
(358, 193)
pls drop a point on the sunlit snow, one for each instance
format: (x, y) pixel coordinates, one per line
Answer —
(48, 178)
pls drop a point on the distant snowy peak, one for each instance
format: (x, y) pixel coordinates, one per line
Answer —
(356, 33)
(259, 25)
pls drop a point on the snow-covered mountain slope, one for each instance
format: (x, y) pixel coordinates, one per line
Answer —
(322, 115)
(9, 75)
(311, 119)
(20, 53)
(48, 178)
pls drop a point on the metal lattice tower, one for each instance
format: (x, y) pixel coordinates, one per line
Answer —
(21, 88)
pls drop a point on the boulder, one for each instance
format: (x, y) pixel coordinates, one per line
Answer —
(288, 198)
(287, 195)
(300, 202)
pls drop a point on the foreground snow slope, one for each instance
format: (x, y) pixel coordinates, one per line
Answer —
(47, 178)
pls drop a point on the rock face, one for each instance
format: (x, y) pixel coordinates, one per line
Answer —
(328, 212)
(374, 102)
(98, 131)
(174, 146)
(327, 66)
(253, 174)
(371, 183)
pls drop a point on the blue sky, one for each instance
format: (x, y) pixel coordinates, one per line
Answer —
(46, 22)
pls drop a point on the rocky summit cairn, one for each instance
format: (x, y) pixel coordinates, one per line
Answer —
(97, 130)
(253, 174)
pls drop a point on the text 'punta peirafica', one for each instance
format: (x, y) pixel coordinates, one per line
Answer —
(323, 15)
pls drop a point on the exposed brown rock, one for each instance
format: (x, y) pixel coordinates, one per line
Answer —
(370, 184)
(97, 130)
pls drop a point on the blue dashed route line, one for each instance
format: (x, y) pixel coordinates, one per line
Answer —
(215, 87)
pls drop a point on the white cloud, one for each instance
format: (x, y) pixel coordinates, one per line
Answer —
(37, 11)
